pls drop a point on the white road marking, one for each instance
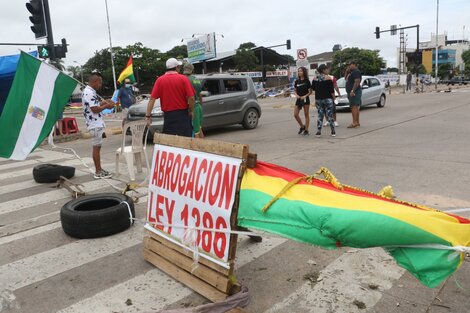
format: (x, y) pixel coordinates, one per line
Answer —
(342, 282)
(153, 290)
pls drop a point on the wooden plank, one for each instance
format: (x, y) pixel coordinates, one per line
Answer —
(237, 310)
(184, 277)
(222, 270)
(206, 274)
(235, 150)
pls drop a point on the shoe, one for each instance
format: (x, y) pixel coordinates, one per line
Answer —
(326, 123)
(333, 134)
(301, 130)
(336, 124)
(318, 134)
(103, 174)
(306, 133)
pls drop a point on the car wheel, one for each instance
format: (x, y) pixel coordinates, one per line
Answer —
(250, 120)
(97, 215)
(381, 102)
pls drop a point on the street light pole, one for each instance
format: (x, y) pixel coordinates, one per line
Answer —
(437, 45)
(81, 70)
(110, 46)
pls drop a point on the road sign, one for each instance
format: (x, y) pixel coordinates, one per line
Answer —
(302, 54)
(302, 62)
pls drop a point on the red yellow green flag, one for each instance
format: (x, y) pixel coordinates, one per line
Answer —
(127, 72)
(429, 243)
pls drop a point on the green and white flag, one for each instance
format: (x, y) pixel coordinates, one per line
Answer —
(35, 102)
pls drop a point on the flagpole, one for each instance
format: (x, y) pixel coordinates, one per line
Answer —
(110, 45)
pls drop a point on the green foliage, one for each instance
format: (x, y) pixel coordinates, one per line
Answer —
(417, 69)
(368, 61)
(178, 52)
(245, 59)
(444, 70)
(147, 63)
(466, 60)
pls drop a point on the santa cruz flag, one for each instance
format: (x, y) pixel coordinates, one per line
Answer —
(36, 99)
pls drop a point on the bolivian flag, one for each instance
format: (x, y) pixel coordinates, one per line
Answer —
(127, 72)
(427, 242)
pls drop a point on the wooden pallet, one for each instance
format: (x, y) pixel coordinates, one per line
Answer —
(209, 279)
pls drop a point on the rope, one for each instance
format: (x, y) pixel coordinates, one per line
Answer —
(131, 219)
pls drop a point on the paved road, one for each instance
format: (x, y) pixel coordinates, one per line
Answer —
(416, 143)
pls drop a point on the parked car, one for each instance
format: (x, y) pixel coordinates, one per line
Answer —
(229, 99)
(457, 80)
(373, 92)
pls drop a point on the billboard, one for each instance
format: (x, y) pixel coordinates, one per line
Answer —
(201, 48)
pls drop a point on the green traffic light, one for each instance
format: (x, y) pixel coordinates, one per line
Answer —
(44, 52)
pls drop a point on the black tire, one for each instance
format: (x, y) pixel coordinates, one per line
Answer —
(251, 118)
(50, 173)
(381, 102)
(97, 215)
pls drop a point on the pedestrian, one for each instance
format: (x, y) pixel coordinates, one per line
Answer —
(302, 91)
(324, 98)
(92, 107)
(408, 81)
(354, 90)
(125, 98)
(188, 69)
(335, 101)
(176, 100)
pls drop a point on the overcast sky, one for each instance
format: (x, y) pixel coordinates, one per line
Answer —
(315, 25)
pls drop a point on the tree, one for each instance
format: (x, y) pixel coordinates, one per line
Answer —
(444, 70)
(74, 71)
(466, 61)
(245, 58)
(58, 63)
(369, 62)
(417, 69)
(178, 52)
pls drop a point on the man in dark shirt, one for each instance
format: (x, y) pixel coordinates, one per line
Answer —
(353, 88)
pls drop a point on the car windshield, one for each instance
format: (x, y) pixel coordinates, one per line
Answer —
(341, 82)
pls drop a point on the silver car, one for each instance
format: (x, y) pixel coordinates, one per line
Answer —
(228, 100)
(373, 92)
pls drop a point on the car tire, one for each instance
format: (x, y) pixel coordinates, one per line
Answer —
(251, 118)
(381, 102)
(50, 173)
(97, 215)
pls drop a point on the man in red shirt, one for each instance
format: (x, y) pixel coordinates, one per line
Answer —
(176, 96)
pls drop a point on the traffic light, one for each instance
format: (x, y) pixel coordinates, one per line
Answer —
(288, 44)
(60, 50)
(377, 32)
(38, 18)
(45, 52)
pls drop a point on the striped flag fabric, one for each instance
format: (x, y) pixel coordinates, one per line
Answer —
(430, 244)
(35, 102)
(127, 72)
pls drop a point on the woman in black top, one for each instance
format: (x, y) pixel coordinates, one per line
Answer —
(324, 96)
(302, 89)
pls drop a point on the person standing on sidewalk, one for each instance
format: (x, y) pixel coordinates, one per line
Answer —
(188, 69)
(408, 81)
(176, 100)
(302, 91)
(125, 98)
(354, 90)
(324, 97)
(92, 107)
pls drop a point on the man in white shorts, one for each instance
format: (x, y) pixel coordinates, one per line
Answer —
(92, 107)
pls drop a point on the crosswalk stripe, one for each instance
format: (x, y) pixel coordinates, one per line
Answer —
(347, 275)
(29, 171)
(29, 233)
(172, 291)
(30, 183)
(43, 265)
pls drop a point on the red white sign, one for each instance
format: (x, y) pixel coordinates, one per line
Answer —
(302, 54)
(191, 189)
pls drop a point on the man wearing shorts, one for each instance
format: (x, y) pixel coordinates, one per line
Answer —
(354, 91)
(92, 107)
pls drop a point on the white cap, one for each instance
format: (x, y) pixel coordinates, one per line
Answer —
(172, 63)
